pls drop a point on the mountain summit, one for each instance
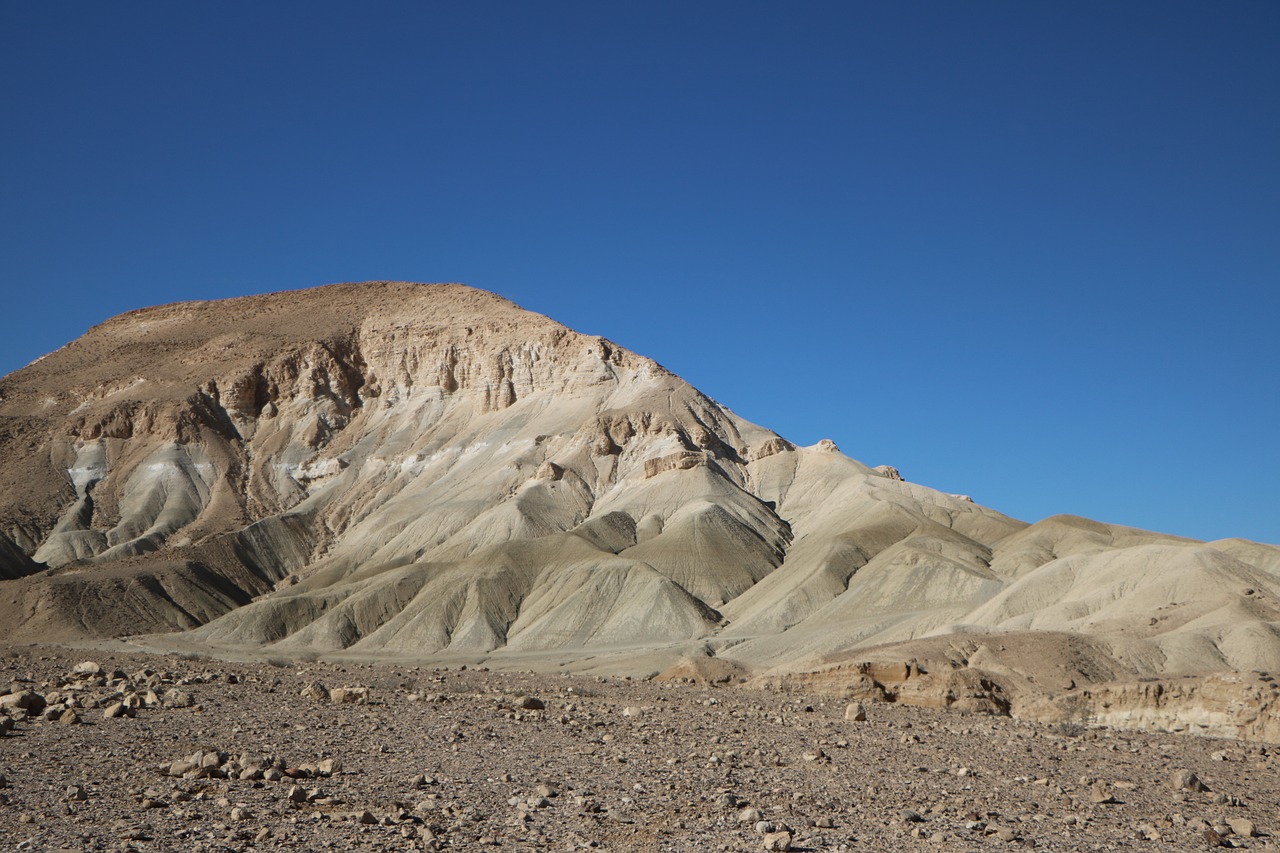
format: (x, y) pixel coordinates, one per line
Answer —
(429, 471)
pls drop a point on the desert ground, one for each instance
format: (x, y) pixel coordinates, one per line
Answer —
(279, 754)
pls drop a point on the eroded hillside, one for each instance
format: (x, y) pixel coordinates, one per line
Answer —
(424, 471)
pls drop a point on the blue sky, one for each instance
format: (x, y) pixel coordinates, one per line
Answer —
(1024, 251)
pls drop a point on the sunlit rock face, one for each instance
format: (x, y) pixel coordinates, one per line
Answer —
(411, 470)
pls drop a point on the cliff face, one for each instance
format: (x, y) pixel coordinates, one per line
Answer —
(205, 417)
(422, 470)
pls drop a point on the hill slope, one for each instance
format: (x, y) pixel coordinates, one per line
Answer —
(416, 471)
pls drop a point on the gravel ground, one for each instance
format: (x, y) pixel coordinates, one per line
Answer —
(463, 759)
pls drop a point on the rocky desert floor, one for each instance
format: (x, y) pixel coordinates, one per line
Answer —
(137, 752)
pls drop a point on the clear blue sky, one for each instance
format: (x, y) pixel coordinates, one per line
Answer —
(1025, 251)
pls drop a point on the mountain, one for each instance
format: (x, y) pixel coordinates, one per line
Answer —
(416, 472)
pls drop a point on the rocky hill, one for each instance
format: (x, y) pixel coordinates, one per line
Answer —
(405, 471)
